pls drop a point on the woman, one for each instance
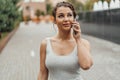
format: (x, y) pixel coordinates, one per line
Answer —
(62, 55)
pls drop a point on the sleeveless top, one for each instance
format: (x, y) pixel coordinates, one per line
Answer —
(62, 67)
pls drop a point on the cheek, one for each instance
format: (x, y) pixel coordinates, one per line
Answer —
(71, 20)
(58, 21)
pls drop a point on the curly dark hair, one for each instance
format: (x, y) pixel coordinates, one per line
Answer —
(65, 4)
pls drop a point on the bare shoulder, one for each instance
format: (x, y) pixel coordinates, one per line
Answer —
(86, 43)
(43, 42)
(43, 45)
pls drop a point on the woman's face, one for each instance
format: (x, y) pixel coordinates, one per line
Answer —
(64, 18)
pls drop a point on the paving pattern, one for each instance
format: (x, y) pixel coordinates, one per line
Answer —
(20, 58)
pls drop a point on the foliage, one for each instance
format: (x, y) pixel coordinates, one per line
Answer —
(49, 8)
(8, 14)
(106, 0)
(77, 5)
(89, 5)
(42, 13)
(38, 13)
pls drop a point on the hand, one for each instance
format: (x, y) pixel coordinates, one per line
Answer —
(76, 30)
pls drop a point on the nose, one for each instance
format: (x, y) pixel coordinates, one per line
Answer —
(66, 18)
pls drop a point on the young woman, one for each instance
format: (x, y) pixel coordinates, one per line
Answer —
(62, 55)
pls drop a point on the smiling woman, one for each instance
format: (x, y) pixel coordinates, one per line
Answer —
(64, 18)
(62, 55)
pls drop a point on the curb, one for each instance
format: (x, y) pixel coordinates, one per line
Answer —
(5, 40)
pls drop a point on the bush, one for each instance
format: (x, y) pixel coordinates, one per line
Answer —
(49, 8)
(9, 14)
(37, 12)
(77, 5)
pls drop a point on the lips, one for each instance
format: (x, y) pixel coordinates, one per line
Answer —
(66, 24)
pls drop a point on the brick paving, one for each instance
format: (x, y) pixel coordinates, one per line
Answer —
(19, 60)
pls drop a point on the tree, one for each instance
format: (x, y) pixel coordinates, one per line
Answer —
(77, 5)
(8, 14)
(49, 8)
(38, 13)
(106, 0)
(89, 5)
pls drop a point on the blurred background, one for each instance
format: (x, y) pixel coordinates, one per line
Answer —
(103, 13)
(25, 23)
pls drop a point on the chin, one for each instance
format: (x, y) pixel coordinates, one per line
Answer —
(67, 28)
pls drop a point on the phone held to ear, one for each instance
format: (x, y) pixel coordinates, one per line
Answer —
(74, 32)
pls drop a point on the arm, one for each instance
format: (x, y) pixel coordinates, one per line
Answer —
(83, 47)
(84, 56)
(43, 73)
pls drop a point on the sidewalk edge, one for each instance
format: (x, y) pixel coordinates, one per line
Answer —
(4, 41)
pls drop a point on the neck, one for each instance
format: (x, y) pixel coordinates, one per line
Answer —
(64, 35)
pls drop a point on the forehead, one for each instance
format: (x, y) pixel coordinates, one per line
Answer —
(63, 9)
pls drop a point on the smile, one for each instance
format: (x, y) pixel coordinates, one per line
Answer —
(66, 25)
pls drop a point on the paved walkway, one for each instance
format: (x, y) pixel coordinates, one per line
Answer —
(20, 58)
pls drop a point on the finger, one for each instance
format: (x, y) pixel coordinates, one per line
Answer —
(76, 29)
(75, 22)
(76, 26)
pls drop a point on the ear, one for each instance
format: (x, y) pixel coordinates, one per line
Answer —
(54, 21)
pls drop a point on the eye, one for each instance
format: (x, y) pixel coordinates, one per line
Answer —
(60, 16)
(69, 15)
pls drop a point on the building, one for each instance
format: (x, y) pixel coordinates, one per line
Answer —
(54, 2)
(29, 7)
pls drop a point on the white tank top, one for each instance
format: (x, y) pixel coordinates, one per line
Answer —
(62, 67)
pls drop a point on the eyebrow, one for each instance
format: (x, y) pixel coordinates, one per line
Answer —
(63, 13)
(60, 13)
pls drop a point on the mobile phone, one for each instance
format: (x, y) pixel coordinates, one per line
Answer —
(74, 32)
